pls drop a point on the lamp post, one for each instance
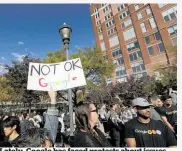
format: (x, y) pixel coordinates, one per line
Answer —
(65, 32)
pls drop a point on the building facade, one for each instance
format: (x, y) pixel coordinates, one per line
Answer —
(138, 37)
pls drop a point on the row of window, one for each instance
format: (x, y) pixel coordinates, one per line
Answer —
(138, 67)
(124, 14)
(126, 23)
(135, 56)
(108, 16)
(120, 71)
(139, 15)
(120, 8)
(107, 8)
(116, 52)
(133, 45)
(170, 14)
(110, 23)
(98, 22)
(119, 61)
(160, 47)
(111, 31)
(156, 36)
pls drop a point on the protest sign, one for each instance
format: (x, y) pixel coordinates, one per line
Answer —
(56, 76)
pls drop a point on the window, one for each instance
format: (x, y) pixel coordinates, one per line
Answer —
(106, 8)
(95, 10)
(119, 61)
(148, 11)
(157, 36)
(132, 46)
(99, 29)
(170, 14)
(111, 31)
(103, 47)
(110, 23)
(128, 34)
(139, 15)
(161, 47)
(126, 23)
(120, 8)
(135, 56)
(124, 14)
(150, 51)
(136, 7)
(108, 16)
(172, 30)
(97, 15)
(142, 25)
(152, 23)
(174, 41)
(113, 41)
(161, 5)
(138, 67)
(116, 52)
(120, 71)
(98, 22)
(147, 40)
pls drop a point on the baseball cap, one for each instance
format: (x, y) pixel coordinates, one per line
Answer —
(140, 102)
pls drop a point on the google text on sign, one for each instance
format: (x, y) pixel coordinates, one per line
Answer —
(56, 76)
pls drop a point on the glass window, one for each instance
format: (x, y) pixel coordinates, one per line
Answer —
(131, 57)
(161, 47)
(170, 14)
(150, 51)
(136, 7)
(142, 25)
(139, 15)
(172, 30)
(152, 22)
(147, 40)
(148, 11)
(128, 34)
(157, 36)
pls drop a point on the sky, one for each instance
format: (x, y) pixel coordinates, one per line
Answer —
(34, 29)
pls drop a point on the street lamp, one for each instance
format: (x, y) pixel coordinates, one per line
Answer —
(65, 32)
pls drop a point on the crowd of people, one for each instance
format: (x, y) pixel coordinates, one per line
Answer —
(147, 122)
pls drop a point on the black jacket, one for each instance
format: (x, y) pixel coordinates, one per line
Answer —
(86, 139)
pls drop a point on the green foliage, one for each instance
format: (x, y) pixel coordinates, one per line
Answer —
(17, 76)
(55, 57)
(6, 90)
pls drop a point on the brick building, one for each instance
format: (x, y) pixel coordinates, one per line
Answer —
(136, 36)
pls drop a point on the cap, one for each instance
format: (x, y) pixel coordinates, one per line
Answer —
(140, 102)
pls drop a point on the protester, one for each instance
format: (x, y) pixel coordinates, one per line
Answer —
(11, 126)
(154, 108)
(38, 137)
(168, 113)
(115, 124)
(87, 134)
(146, 132)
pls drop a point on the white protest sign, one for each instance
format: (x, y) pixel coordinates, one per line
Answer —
(56, 76)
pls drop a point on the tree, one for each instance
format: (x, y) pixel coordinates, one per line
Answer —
(133, 88)
(6, 91)
(17, 76)
(94, 66)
